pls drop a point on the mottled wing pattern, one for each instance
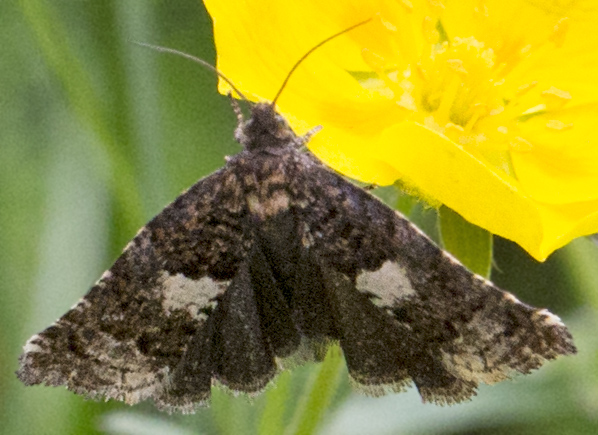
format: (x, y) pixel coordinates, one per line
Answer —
(405, 310)
(274, 255)
(129, 337)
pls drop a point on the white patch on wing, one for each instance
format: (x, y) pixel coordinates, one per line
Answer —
(389, 284)
(548, 318)
(511, 298)
(182, 293)
(31, 347)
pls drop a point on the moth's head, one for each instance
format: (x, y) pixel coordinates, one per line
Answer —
(265, 129)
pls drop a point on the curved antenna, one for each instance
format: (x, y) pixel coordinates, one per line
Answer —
(194, 59)
(314, 48)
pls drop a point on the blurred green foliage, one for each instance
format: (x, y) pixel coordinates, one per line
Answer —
(98, 134)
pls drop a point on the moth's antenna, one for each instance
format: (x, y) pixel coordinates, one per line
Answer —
(286, 80)
(194, 59)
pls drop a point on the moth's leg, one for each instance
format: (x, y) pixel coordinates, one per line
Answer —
(303, 140)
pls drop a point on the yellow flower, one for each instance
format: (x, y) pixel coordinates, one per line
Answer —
(486, 106)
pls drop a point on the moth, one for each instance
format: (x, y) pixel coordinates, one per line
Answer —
(270, 257)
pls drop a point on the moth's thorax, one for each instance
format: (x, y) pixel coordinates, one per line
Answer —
(270, 179)
(265, 129)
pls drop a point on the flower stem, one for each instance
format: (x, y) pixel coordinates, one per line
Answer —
(317, 399)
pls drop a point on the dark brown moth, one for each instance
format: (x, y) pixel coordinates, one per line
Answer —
(268, 257)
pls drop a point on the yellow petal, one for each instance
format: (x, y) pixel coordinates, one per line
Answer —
(443, 169)
(440, 168)
(563, 224)
(257, 61)
(561, 167)
(500, 24)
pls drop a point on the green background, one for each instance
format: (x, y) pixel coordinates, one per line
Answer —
(97, 134)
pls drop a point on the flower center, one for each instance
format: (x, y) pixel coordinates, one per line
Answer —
(463, 89)
(457, 83)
